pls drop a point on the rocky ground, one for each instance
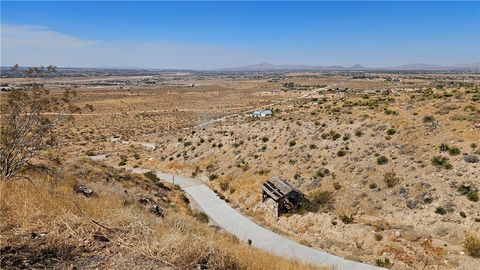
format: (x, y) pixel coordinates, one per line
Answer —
(403, 166)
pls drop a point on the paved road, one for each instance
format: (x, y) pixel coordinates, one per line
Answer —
(242, 227)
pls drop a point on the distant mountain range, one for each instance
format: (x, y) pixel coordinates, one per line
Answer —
(268, 67)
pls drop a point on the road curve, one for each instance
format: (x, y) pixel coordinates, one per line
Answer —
(245, 229)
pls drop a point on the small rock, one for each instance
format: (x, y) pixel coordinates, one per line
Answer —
(411, 204)
(84, 190)
(157, 210)
(470, 159)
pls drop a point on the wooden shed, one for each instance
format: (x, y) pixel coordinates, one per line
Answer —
(285, 196)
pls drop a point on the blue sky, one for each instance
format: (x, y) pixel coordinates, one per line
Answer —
(206, 35)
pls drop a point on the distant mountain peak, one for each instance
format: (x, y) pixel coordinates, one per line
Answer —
(475, 66)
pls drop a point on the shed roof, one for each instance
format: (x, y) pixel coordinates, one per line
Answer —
(277, 188)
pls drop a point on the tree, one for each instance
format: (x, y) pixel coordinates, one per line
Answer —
(51, 69)
(27, 124)
(15, 68)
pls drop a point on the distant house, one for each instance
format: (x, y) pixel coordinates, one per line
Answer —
(6, 88)
(262, 113)
(284, 196)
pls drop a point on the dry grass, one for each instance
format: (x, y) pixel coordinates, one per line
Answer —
(472, 246)
(72, 223)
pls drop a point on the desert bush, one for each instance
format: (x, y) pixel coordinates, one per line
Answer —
(472, 246)
(312, 146)
(320, 173)
(212, 177)
(391, 131)
(390, 179)
(152, 176)
(444, 147)
(346, 219)
(453, 151)
(264, 139)
(473, 196)
(317, 200)
(441, 162)
(341, 153)
(292, 143)
(381, 160)
(373, 185)
(333, 135)
(201, 216)
(471, 192)
(428, 119)
(337, 185)
(440, 210)
(90, 153)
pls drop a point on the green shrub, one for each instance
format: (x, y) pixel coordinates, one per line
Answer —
(292, 143)
(428, 119)
(264, 139)
(391, 131)
(454, 151)
(341, 153)
(440, 210)
(381, 160)
(473, 196)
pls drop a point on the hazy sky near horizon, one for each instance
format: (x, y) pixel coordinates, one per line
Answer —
(206, 35)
